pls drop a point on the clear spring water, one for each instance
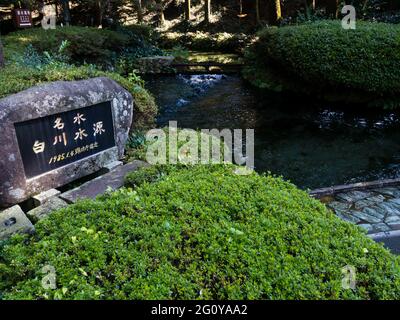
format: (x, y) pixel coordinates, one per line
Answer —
(310, 143)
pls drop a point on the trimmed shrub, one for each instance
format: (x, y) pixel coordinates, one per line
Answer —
(200, 232)
(14, 78)
(146, 175)
(322, 57)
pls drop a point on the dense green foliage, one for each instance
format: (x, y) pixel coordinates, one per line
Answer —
(147, 175)
(36, 56)
(198, 233)
(15, 78)
(323, 57)
(205, 41)
(89, 45)
(115, 50)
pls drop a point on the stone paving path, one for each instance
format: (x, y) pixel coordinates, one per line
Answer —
(376, 210)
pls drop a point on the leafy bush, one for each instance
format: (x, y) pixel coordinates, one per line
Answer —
(204, 41)
(140, 33)
(180, 54)
(86, 45)
(142, 43)
(15, 78)
(106, 48)
(323, 58)
(198, 233)
(146, 175)
(32, 58)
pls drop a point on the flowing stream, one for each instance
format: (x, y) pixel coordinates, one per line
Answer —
(310, 143)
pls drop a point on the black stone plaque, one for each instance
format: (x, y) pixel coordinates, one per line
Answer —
(57, 140)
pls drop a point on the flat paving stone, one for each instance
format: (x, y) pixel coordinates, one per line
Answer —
(339, 206)
(392, 219)
(367, 217)
(389, 207)
(360, 204)
(348, 217)
(380, 227)
(44, 210)
(354, 195)
(375, 211)
(376, 198)
(389, 191)
(113, 179)
(366, 226)
(394, 225)
(396, 201)
(13, 220)
(42, 197)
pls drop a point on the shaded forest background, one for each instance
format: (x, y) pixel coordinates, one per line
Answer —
(191, 15)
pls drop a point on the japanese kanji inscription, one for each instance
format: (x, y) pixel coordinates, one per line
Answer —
(57, 140)
(59, 132)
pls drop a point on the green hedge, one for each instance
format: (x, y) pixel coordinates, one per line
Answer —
(198, 233)
(15, 78)
(322, 57)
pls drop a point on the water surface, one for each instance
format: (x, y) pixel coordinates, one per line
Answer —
(313, 144)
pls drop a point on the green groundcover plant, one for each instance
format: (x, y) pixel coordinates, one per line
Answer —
(89, 45)
(103, 47)
(199, 232)
(323, 58)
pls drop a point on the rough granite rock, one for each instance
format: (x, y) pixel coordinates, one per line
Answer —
(45, 209)
(109, 181)
(43, 197)
(14, 220)
(50, 99)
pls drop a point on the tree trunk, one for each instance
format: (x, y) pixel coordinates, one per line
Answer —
(207, 10)
(187, 10)
(162, 17)
(1, 55)
(56, 6)
(258, 11)
(139, 10)
(99, 13)
(337, 9)
(278, 11)
(66, 13)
